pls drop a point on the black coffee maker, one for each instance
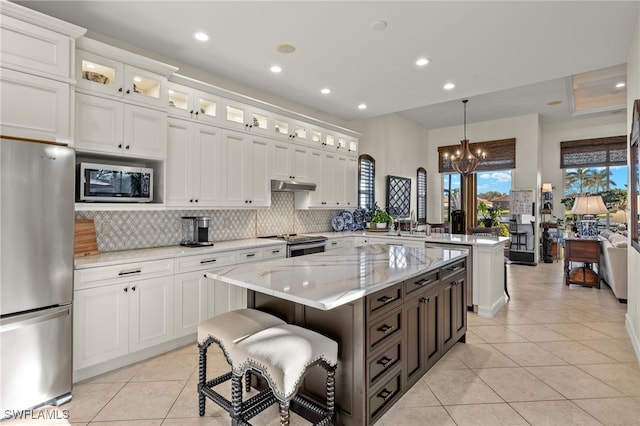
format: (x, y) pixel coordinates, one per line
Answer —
(195, 231)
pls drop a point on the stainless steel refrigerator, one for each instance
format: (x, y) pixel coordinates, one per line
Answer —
(36, 273)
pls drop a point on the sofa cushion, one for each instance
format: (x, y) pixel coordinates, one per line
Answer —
(618, 240)
(606, 233)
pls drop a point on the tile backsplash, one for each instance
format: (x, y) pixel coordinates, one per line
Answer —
(126, 230)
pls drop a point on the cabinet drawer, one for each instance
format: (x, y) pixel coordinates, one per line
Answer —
(244, 256)
(383, 362)
(454, 268)
(384, 300)
(335, 244)
(95, 277)
(279, 252)
(384, 329)
(420, 282)
(384, 396)
(203, 262)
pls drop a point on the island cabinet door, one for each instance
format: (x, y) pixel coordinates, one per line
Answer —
(454, 320)
(423, 343)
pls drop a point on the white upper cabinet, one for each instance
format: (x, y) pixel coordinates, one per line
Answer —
(106, 70)
(193, 104)
(245, 117)
(245, 170)
(110, 77)
(112, 127)
(193, 155)
(289, 161)
(36, 43)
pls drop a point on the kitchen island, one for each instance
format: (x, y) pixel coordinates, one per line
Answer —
(394, 311)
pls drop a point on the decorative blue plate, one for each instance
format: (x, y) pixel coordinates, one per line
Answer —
(337, 223)
(348, 218)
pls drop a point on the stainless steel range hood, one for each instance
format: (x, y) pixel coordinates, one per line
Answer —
(291, 185)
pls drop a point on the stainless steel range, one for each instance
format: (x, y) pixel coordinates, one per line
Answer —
(300, 245)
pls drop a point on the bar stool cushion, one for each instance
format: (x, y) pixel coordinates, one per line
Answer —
(282, 355)
(231, 327)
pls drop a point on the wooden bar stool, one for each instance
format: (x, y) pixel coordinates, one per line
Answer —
(282, 355)
(226, 330)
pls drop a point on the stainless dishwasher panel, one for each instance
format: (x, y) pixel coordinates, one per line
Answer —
(35, 358)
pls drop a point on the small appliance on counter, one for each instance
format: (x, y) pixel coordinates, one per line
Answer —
(195, 231)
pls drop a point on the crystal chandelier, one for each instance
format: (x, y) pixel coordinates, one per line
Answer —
(463, 161)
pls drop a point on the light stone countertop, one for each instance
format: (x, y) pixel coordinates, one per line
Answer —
(460, 239)
(141, 255)
(333, 278)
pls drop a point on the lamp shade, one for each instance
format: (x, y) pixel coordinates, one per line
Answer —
(591, 205)
(620, 216)
(547, 187)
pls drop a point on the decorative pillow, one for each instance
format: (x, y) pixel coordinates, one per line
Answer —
(606, 233)
(618, 240)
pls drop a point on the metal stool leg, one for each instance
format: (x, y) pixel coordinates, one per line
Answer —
(331, 394)
(284, 413)
(202, 374)
(236, 397)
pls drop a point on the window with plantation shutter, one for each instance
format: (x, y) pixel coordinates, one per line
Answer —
(498, 155)
(366, 181)
(422, 196)
(597, 152)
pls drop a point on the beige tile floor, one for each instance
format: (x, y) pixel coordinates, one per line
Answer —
(553, 356)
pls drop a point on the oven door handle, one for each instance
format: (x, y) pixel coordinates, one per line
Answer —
(307, 246)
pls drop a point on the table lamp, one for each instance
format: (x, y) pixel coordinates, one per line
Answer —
(588, 207)
(620, 217)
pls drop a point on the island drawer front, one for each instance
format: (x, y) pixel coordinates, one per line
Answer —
(383, 362)
(420, 282)
(384, 329)
(454, 268)
(105, 275)
(384, 396)
(203, 261)
(384, 300)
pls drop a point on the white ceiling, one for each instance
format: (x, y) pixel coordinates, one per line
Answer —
(508, 57)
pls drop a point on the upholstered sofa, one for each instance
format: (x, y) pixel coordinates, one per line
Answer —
(613, 263)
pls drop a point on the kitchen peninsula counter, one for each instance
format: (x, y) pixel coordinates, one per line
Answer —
(394, 311)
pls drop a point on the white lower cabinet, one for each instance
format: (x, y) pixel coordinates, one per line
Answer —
(191, 302)
(150, 312)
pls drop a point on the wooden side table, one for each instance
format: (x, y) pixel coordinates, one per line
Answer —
(587, 251)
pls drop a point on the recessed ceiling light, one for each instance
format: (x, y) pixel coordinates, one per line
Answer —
(362, 106)
(378, 25)
(201, 36)
(552, 103)
(276, 69)
(620, 85)
(449, 86)
(422, 62)
(286, 48)
(325, 91)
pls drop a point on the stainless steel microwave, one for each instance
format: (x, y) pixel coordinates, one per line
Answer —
(114, 184)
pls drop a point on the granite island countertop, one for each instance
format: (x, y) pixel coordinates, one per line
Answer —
(333, 278)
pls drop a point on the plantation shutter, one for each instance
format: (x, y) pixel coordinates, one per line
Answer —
(422, 196)
(366, 181)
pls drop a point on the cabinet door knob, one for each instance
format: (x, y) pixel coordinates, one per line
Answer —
(119, 145)
(126, 147)
(133, 288)
(120, 90)
(191, 112)
(128, 91)
(126, 289)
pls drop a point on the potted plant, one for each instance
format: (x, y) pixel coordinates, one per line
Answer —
(490, 215)
(381, 219)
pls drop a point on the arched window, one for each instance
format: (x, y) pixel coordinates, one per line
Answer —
(421, 202)
(366, 181)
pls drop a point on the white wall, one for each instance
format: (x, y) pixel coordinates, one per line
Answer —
(525, 129)
(399, 147)
(633, 296)
(587, 128)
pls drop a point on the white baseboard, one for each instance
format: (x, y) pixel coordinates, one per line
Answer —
(490, 312)
(633, 336)
(123, 361)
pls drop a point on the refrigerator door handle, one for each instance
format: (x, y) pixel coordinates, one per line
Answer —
(15, 322)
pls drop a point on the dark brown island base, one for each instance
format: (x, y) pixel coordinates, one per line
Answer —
(401, 310)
